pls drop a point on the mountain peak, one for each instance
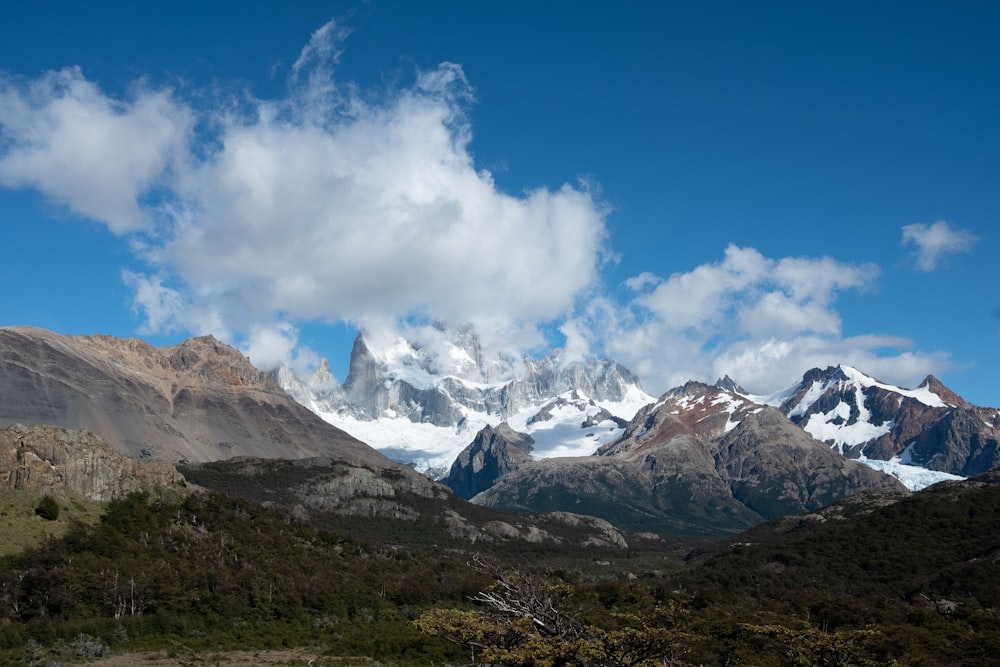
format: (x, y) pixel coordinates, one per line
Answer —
(207, 358)
(442, 386)
(729, 384)
(198, 400)
(935, 386)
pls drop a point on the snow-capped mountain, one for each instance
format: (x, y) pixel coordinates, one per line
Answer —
(921, 435)
(701, 460)
(694, 409)
(421, 402)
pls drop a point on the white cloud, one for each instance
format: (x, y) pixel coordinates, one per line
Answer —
(766, 365)
(97, 156)
(268, 346)
(935, 242)
(382, 214)
(328, 204)
(333, 204)
(161, 306)
(759, 320)
(642, 281)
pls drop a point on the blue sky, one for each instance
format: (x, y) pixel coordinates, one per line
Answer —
(692, 188)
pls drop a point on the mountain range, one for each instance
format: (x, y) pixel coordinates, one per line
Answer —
(87, 405)
(699, 460)
(930, 426)
(710, 458)
(422, 401)
(526, 436)
(715, 456)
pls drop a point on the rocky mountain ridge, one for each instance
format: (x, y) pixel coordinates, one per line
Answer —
(701, 460)
(929, 426)
(199, 400)
(406, 380)
(422, 401)
(495, 452)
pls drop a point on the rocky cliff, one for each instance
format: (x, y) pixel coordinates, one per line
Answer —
(495, 452)
(52, 460)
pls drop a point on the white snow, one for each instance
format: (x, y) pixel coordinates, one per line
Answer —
(842, 436)
(833, 426)
(922, 394)
(855, 377)
(815, 390)
(430, 447)
(913, 477)
(775, 399)
(733, 405)
(425, 446)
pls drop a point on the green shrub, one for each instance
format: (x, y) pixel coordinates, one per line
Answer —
(48, 508)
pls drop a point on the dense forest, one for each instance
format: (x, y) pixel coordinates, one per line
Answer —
(914, 582)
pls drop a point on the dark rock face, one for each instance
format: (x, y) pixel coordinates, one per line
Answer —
(776, 470)
(729, 384)
(199, 400)
(964, 441)
(495, 452)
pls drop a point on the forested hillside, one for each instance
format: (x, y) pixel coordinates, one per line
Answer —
(874, 581)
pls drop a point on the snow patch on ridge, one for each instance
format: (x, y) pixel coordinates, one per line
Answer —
(922, 394)
(826, 428)
(854, 377)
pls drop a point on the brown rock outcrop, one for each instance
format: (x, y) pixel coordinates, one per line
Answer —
(51, 460)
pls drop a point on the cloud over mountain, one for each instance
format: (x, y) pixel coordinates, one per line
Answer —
(324, 205)
(754, 318)
(332, 203)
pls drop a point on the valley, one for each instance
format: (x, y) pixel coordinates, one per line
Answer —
(708, 527)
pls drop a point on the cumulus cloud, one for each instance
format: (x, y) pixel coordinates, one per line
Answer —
(98, 156)
(334, 204)
(328, 204)
(932, 243)
(762, 321)
(378, 214)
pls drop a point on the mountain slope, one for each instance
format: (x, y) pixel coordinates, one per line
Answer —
(921, 547)
(929, 426)
(199, 400)
(700, 461)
